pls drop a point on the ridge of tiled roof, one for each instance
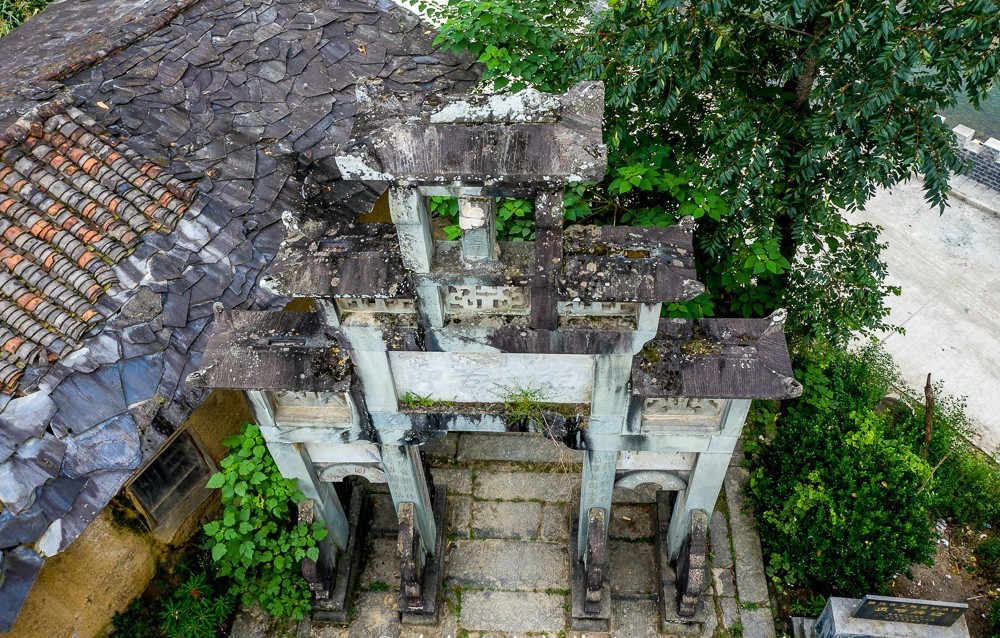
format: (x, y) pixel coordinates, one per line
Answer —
(73, 203)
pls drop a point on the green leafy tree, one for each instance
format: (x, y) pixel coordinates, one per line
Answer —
(256, 542)
(790, 112)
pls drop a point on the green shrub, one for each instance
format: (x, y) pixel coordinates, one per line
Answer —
(988, 557)
(839, 494)
(139, 620)
(994, 630)
(257, 542)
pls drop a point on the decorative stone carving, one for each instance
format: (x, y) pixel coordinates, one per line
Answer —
(386, 306)
(597, 309)
(681, 415)
(502, 300)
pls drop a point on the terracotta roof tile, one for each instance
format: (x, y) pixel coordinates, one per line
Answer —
(73, 202)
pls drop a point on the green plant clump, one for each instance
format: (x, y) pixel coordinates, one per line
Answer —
(841, 491)
(185, 599)
(994, 630)
(196, 609)
(988, 557)
(257, 542)
(13, 13)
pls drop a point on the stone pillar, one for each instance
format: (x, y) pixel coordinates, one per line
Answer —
(408, 484)
(548, 259)
(608, 411)
(706, 479)
(477, 217)
(293, 462)
(408, 210)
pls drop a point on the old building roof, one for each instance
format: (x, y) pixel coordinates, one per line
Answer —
(246, 101)
(73, 202)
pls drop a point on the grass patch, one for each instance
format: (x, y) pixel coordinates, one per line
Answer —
(13, 13)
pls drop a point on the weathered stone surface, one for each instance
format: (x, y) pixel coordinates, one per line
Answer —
(633, 568)
(101, 391)
(383, 514)
(496, 519)
(751, 582)
(722, 580)
(20, 567)
(112, 445)
(37, 460)
(718, 540)
(530, 448)
(22, 528)
(645, 493)
(526, 486)
(632, 522)
(458, 481)
(381, 567)
(25, 417)
(729, 610)
(758, 622)
(140, 377)
(511, 612)
(634, 617)
(377, 615)
(555, 522)
(509, 564)
(459, 516)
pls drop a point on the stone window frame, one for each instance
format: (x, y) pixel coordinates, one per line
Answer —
(166, 528)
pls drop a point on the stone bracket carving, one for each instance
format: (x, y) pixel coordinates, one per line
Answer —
(692, 566)
(314, 572)
(411, 560)
(597, 559)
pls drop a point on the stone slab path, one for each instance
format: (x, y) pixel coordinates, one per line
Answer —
(949, 269)
(507, 560)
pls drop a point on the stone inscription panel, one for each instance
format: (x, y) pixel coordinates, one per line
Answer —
(490, 377)
(924, 612)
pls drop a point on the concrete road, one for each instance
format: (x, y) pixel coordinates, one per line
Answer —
(949, 269)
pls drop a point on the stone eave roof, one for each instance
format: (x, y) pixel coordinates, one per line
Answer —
(260, 350)
(247, 99)
(716, 359)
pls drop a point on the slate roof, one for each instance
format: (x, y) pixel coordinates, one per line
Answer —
(246, 100)
(73, 202)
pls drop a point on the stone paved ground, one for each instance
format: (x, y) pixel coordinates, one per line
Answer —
(507, 570)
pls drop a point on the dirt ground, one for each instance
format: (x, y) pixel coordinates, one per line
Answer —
(954, 578)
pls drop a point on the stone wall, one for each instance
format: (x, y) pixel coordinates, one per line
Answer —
(983, 156)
